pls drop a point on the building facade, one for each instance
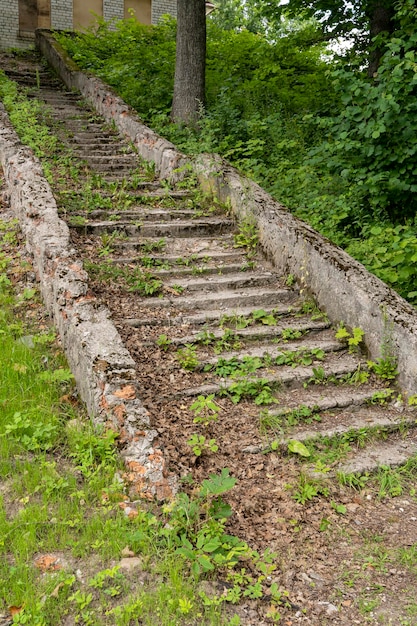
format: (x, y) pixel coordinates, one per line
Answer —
(20, 18)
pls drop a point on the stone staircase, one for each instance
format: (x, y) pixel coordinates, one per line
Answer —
(202, 315)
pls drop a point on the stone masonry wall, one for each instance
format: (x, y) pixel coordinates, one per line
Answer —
(163, 7)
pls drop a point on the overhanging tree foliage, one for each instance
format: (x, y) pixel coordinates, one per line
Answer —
(360, 21)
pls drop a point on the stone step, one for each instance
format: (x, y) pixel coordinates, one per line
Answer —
(336, 365)
(392, 452)
(262, 333)
(326, 398)
(273, 351)
(180, 248)
(119, 164)
(208, 318)
(184, 228)
(140, 213)
(219, 259)
(97, 148)
(178, 273)
(252, 296)
(205, 284)
(356, 419)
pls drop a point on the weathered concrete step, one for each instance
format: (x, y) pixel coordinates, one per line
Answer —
(336, 365)
(89, 127)
(326, 397)
(115, 163)
(356, 419)
(218, 282)
(208, 318)
(220, 258)
(180, 248)
(97, 148)
(79, 137)
(317, 342)
(143, 213)
(264, 333)
(71, 109)
(225, 299)
(185, 228)
(60, 97)
(108, 159)
(178, 273)
(146, 189)
(394, 451)
(30, 80)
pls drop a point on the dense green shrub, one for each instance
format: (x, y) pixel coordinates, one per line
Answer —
(137, 60)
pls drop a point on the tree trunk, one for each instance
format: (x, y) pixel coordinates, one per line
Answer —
(380, 15)
(190, 63)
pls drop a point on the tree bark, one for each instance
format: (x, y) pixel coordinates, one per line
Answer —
(190, 62)
(380, 15)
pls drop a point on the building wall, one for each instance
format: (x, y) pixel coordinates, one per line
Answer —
(162, 7)
(61, 14)
(9, 24)
(61, 17)
(113, 9)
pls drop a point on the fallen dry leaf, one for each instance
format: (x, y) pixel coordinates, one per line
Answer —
(47, 562)
(14, 610)
(55, 592)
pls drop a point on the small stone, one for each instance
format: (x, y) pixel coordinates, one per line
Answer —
(329, 607)
(79, 575)
(130, 563)
(252, 449)
(315, 576)
(352, 507)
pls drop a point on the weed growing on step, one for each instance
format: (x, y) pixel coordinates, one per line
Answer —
(353, 340)
(135, 280)
(201, 445)
(164, 342)
(107, 243)
(206, 410)
(383, 396)
(187, 357)
(384, 368)
(247, 237)
(309, 307)
(276, 422)
(258, 389)
(289, 334)
(237, 368)
(238, 322)
(359, 377)
(308, 488)
(227, 342)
